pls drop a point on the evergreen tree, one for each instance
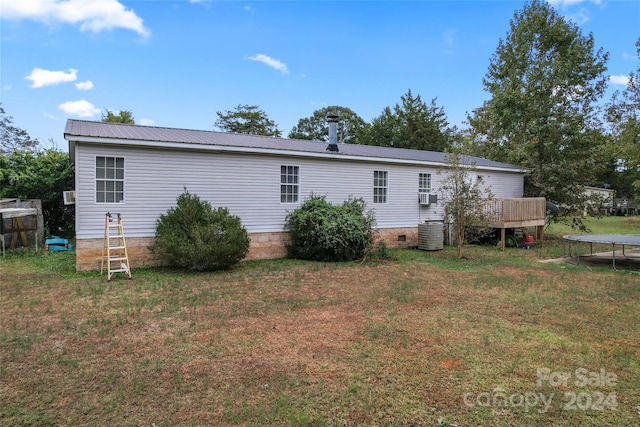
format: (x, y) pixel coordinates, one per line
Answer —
(384, 130)
(412, 124)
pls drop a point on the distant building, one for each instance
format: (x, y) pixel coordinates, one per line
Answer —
(606, 195)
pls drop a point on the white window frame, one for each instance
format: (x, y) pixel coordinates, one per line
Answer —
(289, 183)
(424, 183)
(380, 186)
(109, 179)
(473, 179)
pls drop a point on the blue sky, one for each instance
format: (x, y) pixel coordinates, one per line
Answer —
(175, 63)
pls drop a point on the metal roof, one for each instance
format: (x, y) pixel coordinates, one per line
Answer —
(95, 132)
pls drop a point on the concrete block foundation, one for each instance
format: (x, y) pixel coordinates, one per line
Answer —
(263, 246)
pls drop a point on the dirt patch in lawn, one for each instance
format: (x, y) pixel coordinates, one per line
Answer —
(291, 343)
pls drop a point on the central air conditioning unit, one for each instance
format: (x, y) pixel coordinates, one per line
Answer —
(427, 198)
(69, 197)
(431, 236)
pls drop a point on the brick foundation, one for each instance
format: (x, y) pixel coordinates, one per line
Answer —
(263, 246)
(399, 237)
(89, 253)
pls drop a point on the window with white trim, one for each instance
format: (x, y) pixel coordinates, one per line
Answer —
(424, 183)
(473, 179)
(289, 184)
(109, 179)
(380, 186)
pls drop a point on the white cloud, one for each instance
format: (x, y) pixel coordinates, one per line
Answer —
(626, 56)
(40, 77)
(619, 80)
(88, 85)
(580, 16)
(563, 4)
(49, 115)
(449, 37)
(448, 41)
(146, 122)
(273, 63)
(80, 108)
(92, 15)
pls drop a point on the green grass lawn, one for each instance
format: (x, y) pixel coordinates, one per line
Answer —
(603, 225)
(425, 338)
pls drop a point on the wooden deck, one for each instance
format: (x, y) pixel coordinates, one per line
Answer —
(517, 213)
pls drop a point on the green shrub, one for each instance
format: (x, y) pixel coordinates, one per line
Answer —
(197, 237)
(381, 250)
(324, 232)
(44, 175)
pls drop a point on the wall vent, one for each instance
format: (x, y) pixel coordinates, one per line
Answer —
(69, 197)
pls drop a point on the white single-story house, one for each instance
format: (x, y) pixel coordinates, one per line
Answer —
(606, 196)
(139, 171)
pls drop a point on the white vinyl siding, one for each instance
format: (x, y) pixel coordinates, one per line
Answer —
(109, 179)
(289, 184)
(249, 186)
(380, 186)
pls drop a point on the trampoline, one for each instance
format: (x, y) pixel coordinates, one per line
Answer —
(615, 240)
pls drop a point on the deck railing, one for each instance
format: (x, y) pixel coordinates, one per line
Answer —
(516, 209)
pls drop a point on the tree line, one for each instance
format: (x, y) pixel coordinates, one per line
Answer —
(546, 113)
(411, 124)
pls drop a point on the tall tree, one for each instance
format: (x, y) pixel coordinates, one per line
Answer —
(43, 175)
(247, 119)
(411, 124)
(424, 127)
(12, 138)
(384, 130)
(544, 79)
(350, 125)
(122, 116)
(464, 200)
(623, 115)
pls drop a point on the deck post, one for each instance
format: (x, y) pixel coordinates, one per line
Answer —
(502, 238)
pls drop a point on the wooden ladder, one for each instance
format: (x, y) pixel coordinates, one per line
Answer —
(114, 250)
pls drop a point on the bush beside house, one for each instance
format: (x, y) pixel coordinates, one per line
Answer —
(197, 237)
(324, 232)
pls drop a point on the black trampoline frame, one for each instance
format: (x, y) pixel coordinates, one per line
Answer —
(610, 239)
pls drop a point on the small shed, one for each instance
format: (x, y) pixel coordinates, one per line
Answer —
(21, 223)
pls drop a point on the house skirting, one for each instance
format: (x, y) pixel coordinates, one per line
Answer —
(263, 246)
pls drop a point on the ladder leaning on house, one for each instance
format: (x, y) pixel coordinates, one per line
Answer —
(114, 250)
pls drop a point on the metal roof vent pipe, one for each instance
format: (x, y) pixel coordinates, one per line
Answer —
(333, 133)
